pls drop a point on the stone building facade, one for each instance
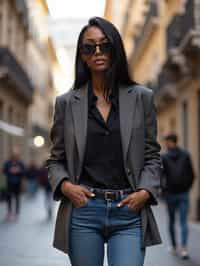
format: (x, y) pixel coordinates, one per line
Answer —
(16, 88)
(27, 91)
(39, 53)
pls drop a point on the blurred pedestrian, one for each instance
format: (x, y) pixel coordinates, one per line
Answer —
(32, 175)
(179, 175)
(105, 160)
(14, 171)
(45, 185)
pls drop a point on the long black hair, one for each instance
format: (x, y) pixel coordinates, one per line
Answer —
(117, 73)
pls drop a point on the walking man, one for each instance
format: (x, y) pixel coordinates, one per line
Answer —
(179, 176)
(32, 173)
(14, 171)
(44, 183)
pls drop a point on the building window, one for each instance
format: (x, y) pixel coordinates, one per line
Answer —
(9, 24)
(185, 123)
(12, 33)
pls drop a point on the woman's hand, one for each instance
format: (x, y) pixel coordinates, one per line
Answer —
(77, 194)
(136, 200)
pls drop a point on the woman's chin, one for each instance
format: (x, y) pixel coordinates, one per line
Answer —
(100, 68)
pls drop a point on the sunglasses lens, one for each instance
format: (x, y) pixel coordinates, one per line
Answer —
(105, 47)
(88, 49)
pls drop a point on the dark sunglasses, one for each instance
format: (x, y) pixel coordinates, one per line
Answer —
(90, 49)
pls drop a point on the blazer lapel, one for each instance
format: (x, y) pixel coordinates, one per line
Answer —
(79, 106)
(127, 106)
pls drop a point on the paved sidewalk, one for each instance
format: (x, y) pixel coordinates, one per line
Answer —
(159, 255)
(29, 241)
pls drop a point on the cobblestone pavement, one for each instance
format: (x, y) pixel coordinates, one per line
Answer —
(29, 241)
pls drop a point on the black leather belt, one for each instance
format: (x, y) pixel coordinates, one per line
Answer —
(114, 195)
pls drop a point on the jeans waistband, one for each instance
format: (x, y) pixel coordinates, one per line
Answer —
(110, 194)
(125, 190)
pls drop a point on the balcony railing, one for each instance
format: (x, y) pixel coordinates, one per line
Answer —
(181, 25)
(16, 74)
(183, 37)
(163, 79)
(164, 88)
(152, 14)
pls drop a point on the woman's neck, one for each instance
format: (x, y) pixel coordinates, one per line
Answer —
(98, 82)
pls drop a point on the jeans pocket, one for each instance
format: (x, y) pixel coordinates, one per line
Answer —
(128, 208)
(132, 210)
(85, 205)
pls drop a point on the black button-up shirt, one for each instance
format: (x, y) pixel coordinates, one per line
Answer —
(103, 160)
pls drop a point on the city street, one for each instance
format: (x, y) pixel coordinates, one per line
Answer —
(29, 241)
(135, 64)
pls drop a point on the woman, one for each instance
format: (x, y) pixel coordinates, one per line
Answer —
(104, 161)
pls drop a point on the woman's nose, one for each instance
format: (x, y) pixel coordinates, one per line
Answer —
(98, 51)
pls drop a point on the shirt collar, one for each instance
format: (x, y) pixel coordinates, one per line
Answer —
(92, 98)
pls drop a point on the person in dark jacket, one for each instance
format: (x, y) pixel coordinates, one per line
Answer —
(45, 185)
(179, 177)
(32, 174)
(14, 171)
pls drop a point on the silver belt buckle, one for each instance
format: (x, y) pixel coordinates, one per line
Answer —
(106, 195)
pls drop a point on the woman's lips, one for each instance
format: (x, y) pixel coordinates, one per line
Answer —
(99, 61)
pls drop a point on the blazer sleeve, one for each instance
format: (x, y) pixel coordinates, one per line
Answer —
(150, 175)
(57, 161)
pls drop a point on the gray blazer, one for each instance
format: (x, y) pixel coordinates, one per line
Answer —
(141, 156)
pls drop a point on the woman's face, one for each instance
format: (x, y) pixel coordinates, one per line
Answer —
(95, 49)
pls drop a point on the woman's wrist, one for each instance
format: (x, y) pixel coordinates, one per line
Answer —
(145, 193)
(65, 186)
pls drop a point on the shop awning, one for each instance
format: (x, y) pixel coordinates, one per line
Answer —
(11, 129)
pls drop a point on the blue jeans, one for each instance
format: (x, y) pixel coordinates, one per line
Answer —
(178, 203)
(101, 221)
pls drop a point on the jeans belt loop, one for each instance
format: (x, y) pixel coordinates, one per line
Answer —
(121, 194)
(91, 189)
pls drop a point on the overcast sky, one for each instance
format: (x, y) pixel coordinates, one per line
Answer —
(76, 8)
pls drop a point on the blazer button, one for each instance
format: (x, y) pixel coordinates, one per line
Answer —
(107, 133)
(128, 171)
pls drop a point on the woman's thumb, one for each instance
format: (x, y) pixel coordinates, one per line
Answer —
(88, 193)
